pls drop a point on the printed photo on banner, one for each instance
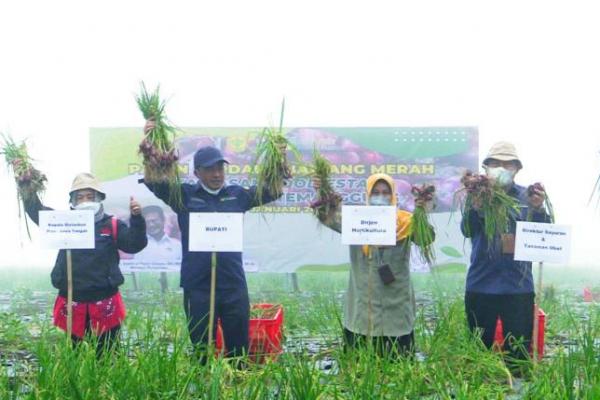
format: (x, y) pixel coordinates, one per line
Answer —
(163, 252)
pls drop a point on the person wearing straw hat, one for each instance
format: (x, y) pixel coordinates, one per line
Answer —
(97, 304)
(497, 286)
(380, 302)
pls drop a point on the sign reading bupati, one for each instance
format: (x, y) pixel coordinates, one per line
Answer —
(373, 225)
(67, 229)
(539, 242)
(216, 231)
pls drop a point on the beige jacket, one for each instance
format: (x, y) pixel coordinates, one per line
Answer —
(371, 307)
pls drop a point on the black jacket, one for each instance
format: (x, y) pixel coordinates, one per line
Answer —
(96, 273)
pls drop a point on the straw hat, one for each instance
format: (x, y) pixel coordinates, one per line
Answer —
(503, 151)
(85, 180)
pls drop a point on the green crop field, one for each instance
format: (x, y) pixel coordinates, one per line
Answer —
(155, 360)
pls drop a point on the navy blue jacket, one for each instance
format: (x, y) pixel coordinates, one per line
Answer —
(491, 271)
(96, 273)
(195, 266)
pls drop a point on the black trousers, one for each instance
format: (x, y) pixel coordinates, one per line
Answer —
(106, 341)
(516, 312)
(392, 346)
(232, 306)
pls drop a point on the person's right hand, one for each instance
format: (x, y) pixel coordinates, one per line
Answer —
(476, 204)
(316, 182)
(149, 126)
(468, 179)
(134, 206)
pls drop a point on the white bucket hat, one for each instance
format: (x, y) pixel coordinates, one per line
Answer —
(86, 180)
(503, 151)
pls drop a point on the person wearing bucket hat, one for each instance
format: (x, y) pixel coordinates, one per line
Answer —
(497, 286)
(97, 304)
(211, 194)
(502, 163)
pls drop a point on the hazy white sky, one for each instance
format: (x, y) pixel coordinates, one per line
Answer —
(524, 71)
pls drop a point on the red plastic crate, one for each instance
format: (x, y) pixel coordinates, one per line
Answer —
(265, 335)
(499, 335)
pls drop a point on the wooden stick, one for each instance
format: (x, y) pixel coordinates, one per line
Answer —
(135, 282)
(295, 285)
(370, 295)
(69, 294)
(211, 314)
(164, 283)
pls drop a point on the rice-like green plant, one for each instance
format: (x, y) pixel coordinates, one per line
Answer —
(155, 358)
(327, 198)
(31, 182)
(496, 206)
(158, 148)
(422, 232)
(595, 192)
(270, 167)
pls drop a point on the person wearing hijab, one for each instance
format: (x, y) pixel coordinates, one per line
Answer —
(380, 301)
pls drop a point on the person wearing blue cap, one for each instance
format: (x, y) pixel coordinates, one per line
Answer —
(211, 194)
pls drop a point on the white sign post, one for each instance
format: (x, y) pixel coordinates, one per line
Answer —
(540, 242)
(67, 230)
(369, 225)
(213, 232)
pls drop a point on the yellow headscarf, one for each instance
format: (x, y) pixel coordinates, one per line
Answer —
(403, 218)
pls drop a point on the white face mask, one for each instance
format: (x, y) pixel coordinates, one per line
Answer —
(94, 206)
(503, 176)
(379, 200)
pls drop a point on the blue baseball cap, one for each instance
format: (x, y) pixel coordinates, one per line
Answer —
(207, 157)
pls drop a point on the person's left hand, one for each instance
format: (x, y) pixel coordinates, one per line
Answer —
(428, 205)
(282, 147)
(134, 206)
(421, 203)
(149, 126)
(537, 197)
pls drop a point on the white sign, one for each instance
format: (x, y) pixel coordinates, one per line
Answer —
(372, 225)
(67, 229)
(538, 242)
(216, 231)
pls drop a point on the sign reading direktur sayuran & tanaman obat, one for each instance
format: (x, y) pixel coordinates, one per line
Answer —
(538, 242)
